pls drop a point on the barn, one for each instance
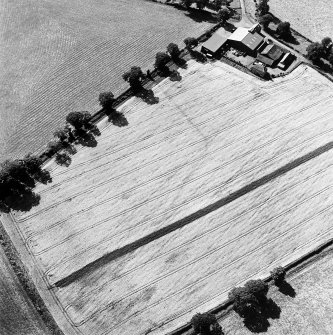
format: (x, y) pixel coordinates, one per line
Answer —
(271, 55)
(244, 40)
(214, 44)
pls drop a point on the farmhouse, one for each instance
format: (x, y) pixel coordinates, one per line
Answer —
(214, 44)
(244, 40)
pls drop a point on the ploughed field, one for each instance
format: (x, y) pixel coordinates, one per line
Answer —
(222, 180)
(57, 56)
(312, 19)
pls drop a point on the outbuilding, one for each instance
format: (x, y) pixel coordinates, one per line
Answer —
(243, 40)
(213, 45)
(272, 52)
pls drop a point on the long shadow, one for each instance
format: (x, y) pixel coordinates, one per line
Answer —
(118, 119)
(286, 289)
(180, 62)
(175, 76)
(197, 15)
(198, 56)
(259, 323)
(87, 140)
(194, 216)
(147, 96)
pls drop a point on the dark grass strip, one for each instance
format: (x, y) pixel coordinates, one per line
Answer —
(192, 217)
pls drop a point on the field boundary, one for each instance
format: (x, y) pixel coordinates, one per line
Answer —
(27, 284)
(293, 267)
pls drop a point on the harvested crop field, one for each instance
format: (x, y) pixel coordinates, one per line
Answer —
(57, 56)
(312, 19)
(223, 179)
(308, 312)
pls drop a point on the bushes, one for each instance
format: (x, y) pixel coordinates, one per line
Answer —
(262, 7)
(79, 119)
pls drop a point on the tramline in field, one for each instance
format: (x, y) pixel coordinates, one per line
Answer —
(223, 179)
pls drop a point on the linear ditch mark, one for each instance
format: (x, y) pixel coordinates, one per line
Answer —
(192, 217)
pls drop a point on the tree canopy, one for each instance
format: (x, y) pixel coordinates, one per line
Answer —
(223, 15)
(161, 60)
(78, 119)
(265, 20)
(315, 51)
(106, 100)
(190, 42)
(173, 50)
(283, 30)
(134, 77)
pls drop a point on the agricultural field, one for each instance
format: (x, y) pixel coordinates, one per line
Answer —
(308, 312)
(223, 179)
(17, 314)
(312, 19)
(57, 56)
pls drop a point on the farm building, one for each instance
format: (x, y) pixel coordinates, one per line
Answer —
(271, 55)
(214, 44)
(243, 40)
(259, 69)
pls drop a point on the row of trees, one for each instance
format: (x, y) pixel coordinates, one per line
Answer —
(318, 50)
(264, 18)
(249, 302)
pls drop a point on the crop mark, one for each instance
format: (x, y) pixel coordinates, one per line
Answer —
(193, 179)
(194, 216)
(209, 231)
(219, 269)
(168, 155)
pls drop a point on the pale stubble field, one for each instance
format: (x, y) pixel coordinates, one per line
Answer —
(212, 133)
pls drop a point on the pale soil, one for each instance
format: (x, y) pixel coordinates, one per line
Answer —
(312, 19)
(17, 314)
(212, 133)
(308, 313)
(56, 56)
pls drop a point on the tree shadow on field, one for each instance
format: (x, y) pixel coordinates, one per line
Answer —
(87, 140)
(180, 62)
(259, 323)
(198, 56)
(147, 96)
(118, 119)
(286, 289)
(175, 76)
(201, 16)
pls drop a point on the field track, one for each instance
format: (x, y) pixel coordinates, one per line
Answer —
(220, 181)
(57, 56)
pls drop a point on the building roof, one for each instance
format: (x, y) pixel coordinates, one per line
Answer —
(272, 51)
(265, 60)
(251, 40)
(259, 70)
(214, 43)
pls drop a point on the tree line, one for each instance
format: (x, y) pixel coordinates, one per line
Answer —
(250, 302)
